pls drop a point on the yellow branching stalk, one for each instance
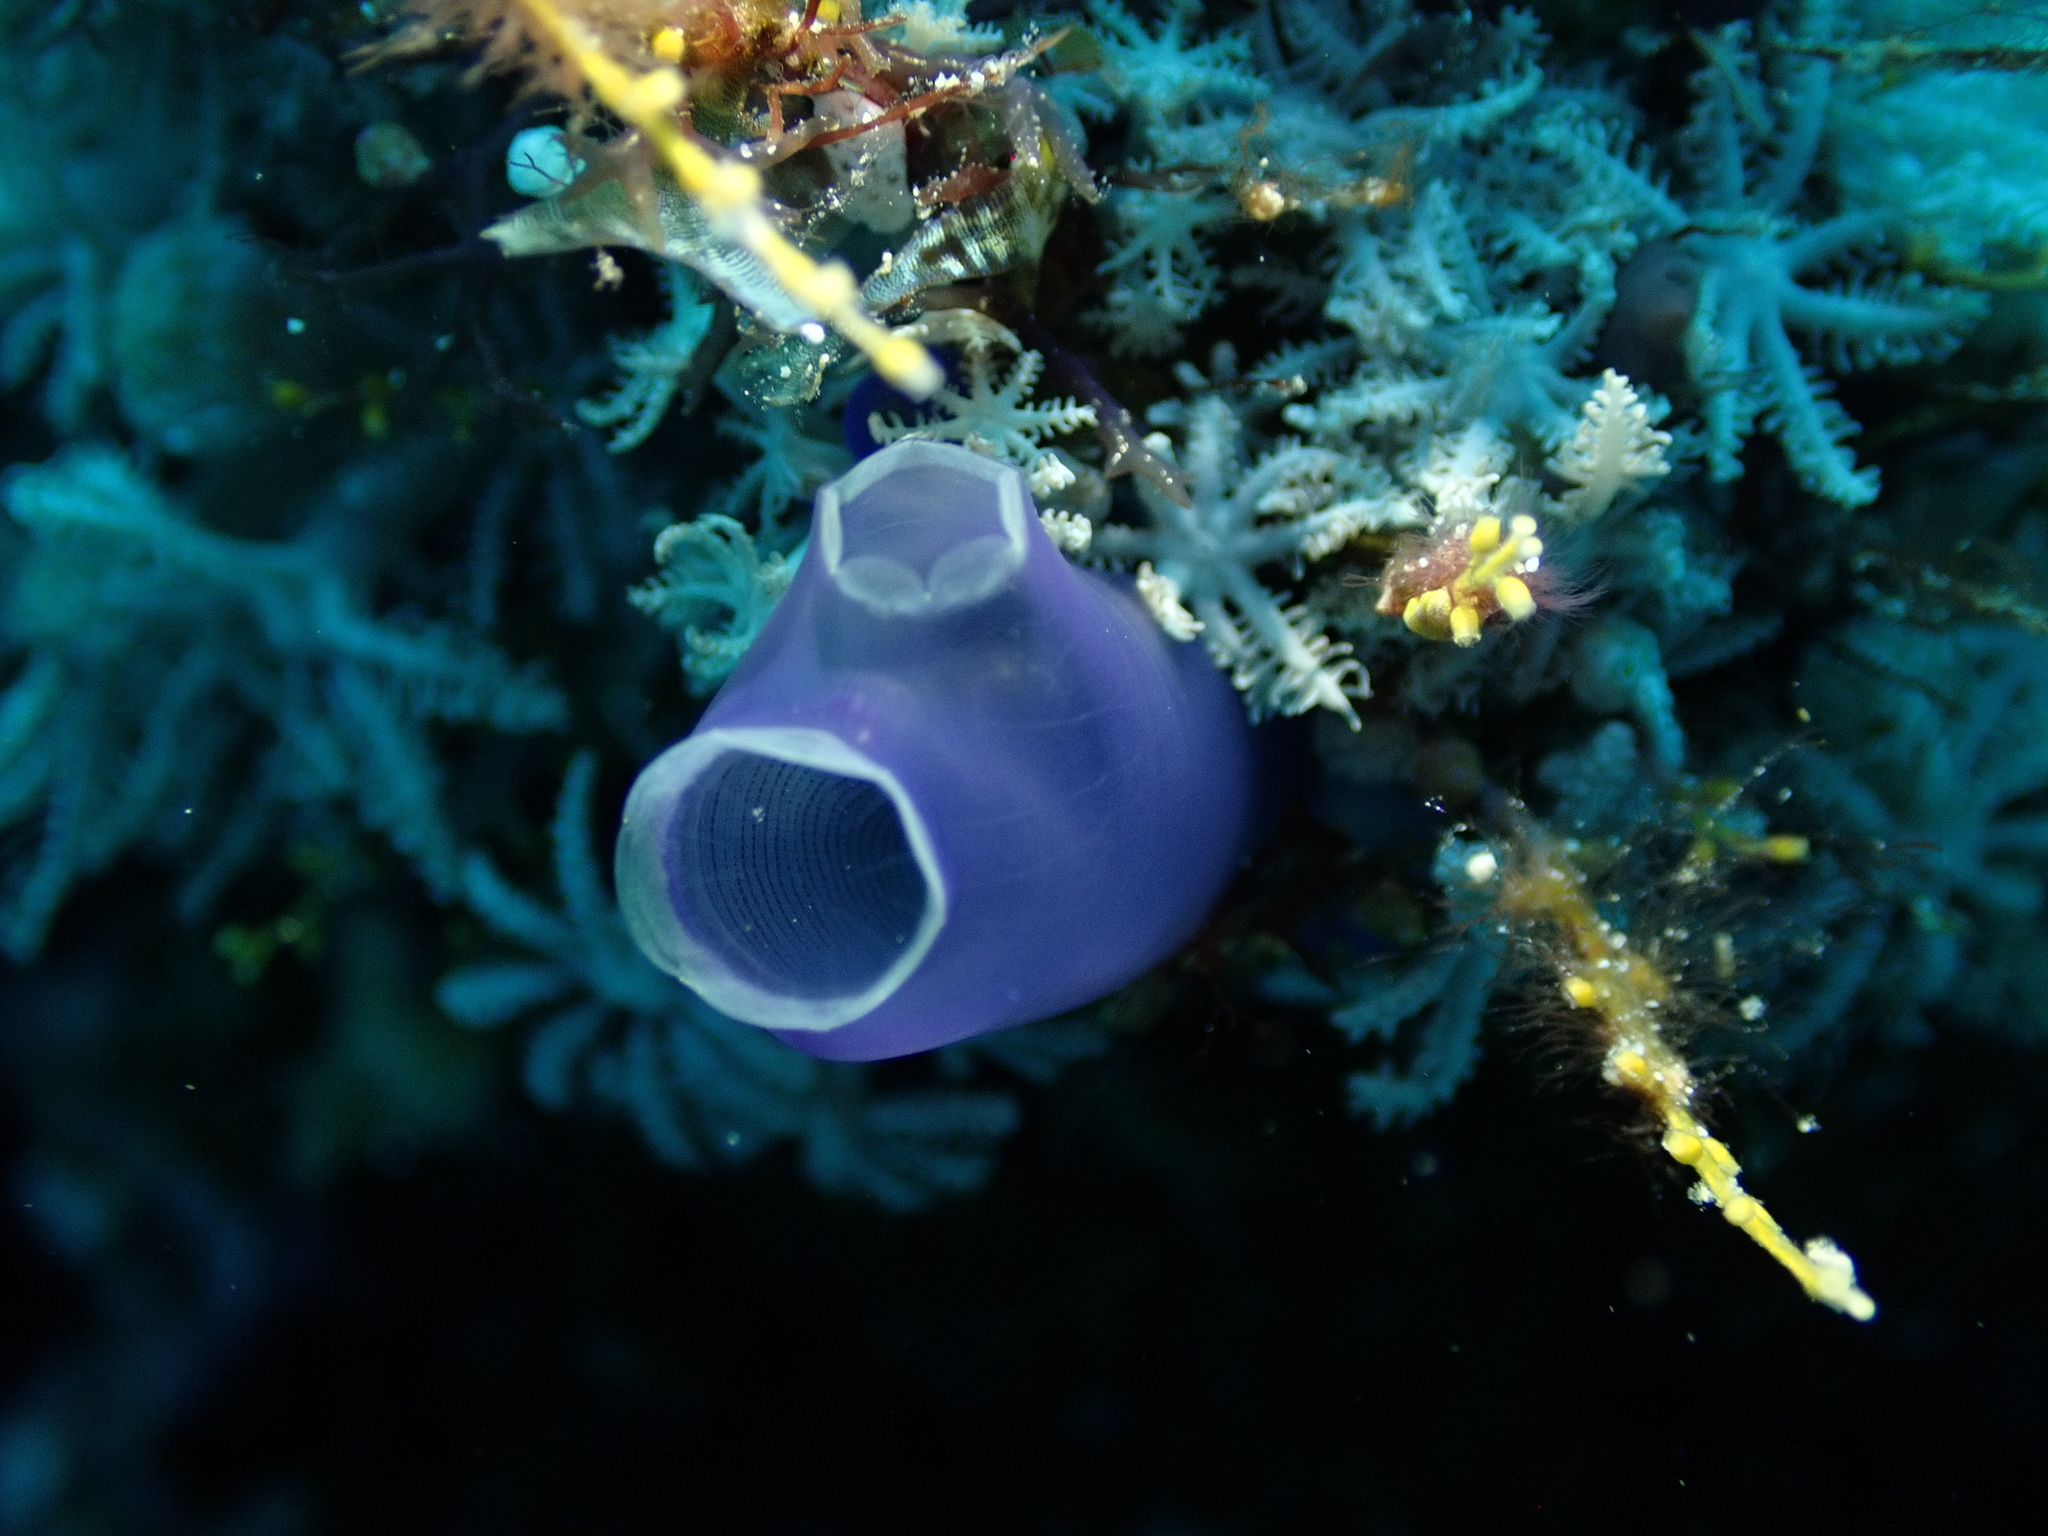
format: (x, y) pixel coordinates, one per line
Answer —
(730, 195)
(1629, 998)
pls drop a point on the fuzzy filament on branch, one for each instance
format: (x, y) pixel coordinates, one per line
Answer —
(1627, 997)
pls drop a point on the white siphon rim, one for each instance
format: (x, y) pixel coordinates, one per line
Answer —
(642, 878)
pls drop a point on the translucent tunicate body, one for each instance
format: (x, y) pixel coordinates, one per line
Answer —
(956, 784)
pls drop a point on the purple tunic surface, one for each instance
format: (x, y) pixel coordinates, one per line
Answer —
(956, 783)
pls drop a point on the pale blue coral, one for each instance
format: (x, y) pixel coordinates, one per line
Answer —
(1485, 296)
(997, 416)
(713, 589)
(149, 649)
(1957, 152)
(652, 366)
(1190, 103)
(1751, 152)
(792, 459)
(1425, 1008)
(1295, 504)
(1164, 74)
(1937, 746)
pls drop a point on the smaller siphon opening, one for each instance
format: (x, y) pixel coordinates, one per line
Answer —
(801, 881)
(893, 519)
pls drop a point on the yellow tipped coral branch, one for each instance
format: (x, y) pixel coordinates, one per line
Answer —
(730, 195)
(1628, 996)
(1704, 808)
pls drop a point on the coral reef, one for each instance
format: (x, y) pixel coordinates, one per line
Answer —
(413, 411)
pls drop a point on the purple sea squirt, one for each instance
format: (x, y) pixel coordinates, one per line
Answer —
(956, 784)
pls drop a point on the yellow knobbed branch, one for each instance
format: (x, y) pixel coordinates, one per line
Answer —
(1629, 996)
(730, 195)
(1704, 810)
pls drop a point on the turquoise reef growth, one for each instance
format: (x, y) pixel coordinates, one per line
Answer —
(1612, 473)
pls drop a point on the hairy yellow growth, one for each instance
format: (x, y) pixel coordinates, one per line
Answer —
(1491, 582)
(1629, 996)
(730, 194)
